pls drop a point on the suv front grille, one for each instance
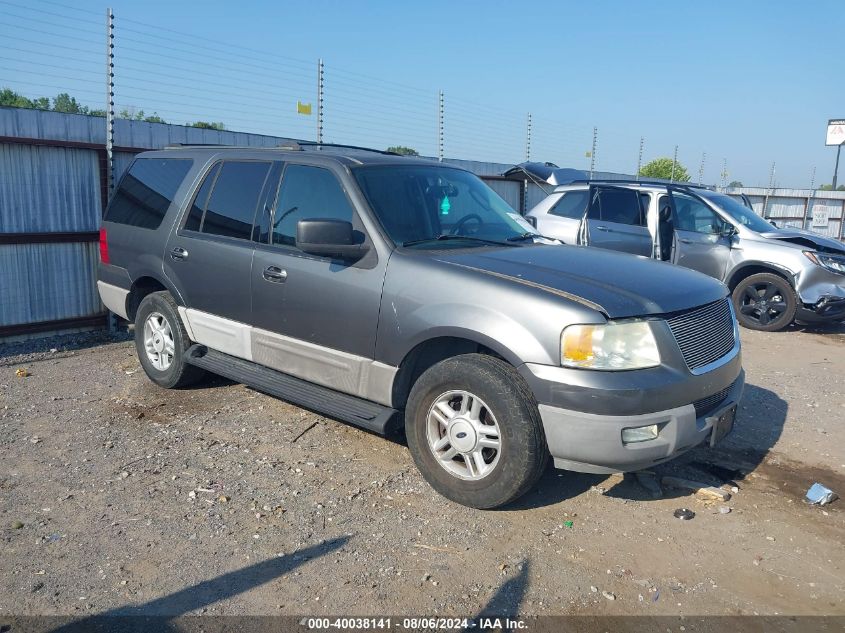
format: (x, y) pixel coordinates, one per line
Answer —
(705, 334)
(710, 403)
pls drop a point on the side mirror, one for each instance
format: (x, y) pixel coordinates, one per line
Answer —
(329, 238)
(728, 230)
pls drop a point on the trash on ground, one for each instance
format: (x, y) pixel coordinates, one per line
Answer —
(724, 510)
(700, 489)
(684, 514)
(608, 595)
(820, 495)
(568, 524)
(23, 372)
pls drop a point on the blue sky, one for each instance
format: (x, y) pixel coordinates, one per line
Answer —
(747, 82)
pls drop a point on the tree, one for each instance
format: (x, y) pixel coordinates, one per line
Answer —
(830, 188)
(205, 125)
(662, 168)
(404, 151)
(63, 102)
(735, 183)
(126, 113)
(12, 99)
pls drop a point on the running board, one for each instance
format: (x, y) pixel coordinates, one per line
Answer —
(362, 413)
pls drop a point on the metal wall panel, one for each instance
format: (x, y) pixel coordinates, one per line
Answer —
(48, 189)
(45, 282)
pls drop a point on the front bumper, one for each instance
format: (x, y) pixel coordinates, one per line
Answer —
(592, 443)
(822, 295)
(827, 308)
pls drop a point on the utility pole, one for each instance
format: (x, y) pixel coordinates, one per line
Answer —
(808, 212)
(640, 157)
(593, 152)
(440, 113)
(320, 85)
(836, 168)
(528, 140)
(701, 167)
(109, 175)
(724, 174)
(674, 162)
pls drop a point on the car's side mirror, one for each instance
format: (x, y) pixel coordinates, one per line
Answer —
(329, 238)
(728, 230)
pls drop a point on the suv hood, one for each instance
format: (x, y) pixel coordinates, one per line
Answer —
(806, 239)
(616, 284)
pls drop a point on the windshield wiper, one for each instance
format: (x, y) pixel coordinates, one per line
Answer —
(446, 236)
(527, 236)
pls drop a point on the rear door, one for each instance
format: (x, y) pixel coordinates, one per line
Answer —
(563, 219)
(699, 240)
(209, 256)
(616, 220)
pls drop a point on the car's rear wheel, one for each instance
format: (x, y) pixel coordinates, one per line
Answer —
(764, 302)
(161, 341)
(474, 431)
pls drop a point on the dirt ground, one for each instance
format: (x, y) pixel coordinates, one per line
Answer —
(118, 496)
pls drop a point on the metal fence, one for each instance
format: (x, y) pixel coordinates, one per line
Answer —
(818, 211)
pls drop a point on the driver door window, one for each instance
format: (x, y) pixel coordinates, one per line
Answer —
(693, 215)
(307, 193)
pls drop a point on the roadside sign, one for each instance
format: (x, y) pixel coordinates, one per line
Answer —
(820, 217)
(835, 132)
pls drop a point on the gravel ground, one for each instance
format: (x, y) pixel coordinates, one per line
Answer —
(118, 496)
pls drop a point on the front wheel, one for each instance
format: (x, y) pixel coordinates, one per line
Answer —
(764, 302)
(474, 431)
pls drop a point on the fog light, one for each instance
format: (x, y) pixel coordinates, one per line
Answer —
(639, 434)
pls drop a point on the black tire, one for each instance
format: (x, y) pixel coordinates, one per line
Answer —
(764, 302)
(523, 454)
(178, 373)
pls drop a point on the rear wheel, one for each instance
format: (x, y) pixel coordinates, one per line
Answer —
(161, 341)
(764, 302)
(474, 431)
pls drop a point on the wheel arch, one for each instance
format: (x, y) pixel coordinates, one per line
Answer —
(141, 287)
(746, 269)
(437, 348)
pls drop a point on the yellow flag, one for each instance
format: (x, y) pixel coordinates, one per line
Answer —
(303, 108)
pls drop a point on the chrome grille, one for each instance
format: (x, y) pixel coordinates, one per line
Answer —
(705, 334)
(710, 403)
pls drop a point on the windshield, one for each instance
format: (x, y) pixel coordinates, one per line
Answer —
(739, 212)
(424, 206)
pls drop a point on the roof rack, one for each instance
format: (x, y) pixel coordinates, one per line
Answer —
(297, 145)
(632, 181)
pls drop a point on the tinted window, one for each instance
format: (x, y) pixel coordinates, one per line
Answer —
(571, 205)
(231, 206)
(621, 206)
(693, 215)
(146, 191)
(307, 193)
(194, 220)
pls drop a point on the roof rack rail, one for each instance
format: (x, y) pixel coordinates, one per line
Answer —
(301, 145)
(632, 181)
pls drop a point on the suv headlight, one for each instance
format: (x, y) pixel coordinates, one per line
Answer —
(833, 263)
(609, 346)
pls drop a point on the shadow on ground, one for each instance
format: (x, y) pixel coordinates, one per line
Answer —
(158, 614)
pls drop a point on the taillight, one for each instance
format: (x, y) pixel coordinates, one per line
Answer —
(104, 247)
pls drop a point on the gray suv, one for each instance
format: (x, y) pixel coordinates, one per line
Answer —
(775, 275)
(382, 290)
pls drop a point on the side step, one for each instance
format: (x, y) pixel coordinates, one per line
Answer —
(362, 413)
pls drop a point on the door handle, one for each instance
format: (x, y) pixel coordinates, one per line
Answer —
(684, 240)
(604, 228)
(179, 253)
(275, 274)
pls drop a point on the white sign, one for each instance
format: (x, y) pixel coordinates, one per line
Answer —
(835, 132)
(820, 217)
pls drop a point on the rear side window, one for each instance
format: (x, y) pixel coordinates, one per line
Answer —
(621, 206)
(572, 204)
(308, 193)
(225, 203)
(146, 191)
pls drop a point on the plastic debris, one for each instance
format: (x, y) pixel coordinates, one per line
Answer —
(568, 524)
(820, 495)
(23, 372)
(724, 510)
(684, 514)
